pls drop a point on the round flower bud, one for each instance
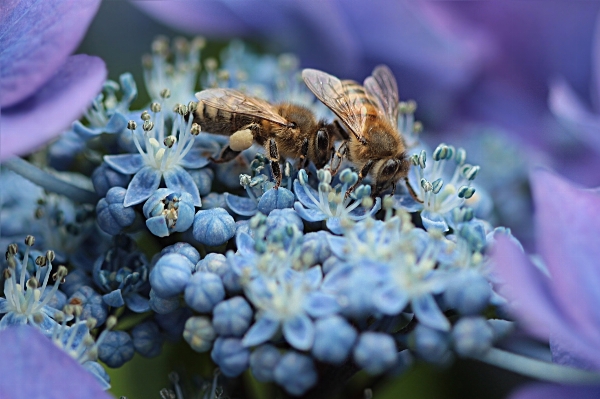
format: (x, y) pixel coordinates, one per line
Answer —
(170, 275)
(472, 336)
(375, 352)
(113, 217)
(263, 361)
(204, 291)
(213, 227)
(231, 356)
(147, 339)
(116, 349)
(296, 373)
(334, 338)
(199, 333)
(232, 317)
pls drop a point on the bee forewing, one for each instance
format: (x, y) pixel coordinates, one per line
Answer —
(382, 85)
(237, 102)
(334, 94)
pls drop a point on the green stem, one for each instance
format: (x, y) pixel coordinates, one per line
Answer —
(538, 369)
(50, 182)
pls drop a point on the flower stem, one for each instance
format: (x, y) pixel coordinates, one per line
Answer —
(538, 369)
(50, 182)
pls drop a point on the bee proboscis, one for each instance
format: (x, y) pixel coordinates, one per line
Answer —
(369, 114)
(284, 130)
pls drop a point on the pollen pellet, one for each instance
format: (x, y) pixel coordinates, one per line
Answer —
(241, 140)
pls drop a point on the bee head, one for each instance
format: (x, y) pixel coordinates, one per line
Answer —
(390, 172)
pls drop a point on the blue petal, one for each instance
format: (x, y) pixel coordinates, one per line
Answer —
(12, 319)
(194, 160)
(310, 215)
(433, 221)
(4, 307)
(406, 202)
(243, 206)
(245, 244)
(116, 124)
(114, 299)
(178, 179)
(391, 300)
(127, 164)
(275, 199)
(158, 226)
(142, 186)
(260, 332)
(299, 332)
(334, 225)
(337, 245)
(428, 313)
(319, 304)
(313, 277)
(300, 192)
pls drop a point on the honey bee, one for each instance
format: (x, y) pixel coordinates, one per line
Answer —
(284, 130)
(369, 113)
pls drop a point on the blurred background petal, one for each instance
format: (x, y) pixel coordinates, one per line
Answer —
(36, 37)
(54, 107)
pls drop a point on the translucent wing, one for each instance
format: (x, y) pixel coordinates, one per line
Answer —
(382, 85)
(237, 102)
(346, 99)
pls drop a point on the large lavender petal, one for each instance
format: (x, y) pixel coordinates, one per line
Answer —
(36, 37)
(549, 391)
(33, 367)
(568, 229)
(53, 108)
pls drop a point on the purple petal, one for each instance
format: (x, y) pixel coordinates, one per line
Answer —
(32, 366)
(548, 391)
(568, 229)
(566, 105)
(52, 108)
(36, 38)
(526, 286)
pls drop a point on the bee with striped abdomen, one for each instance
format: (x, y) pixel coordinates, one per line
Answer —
(369, 114)
(284, 130)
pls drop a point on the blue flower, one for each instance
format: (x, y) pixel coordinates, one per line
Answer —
(375, 352)
(167, 212)
(122, 274)
(439, 192)
(161, 156)
(26, 300)
(331, 203)
(37, 82)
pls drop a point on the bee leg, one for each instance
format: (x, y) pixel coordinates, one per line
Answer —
(341, 152)
(227, 154)
(303, 161)
(411, 191)
(361, 175)
(274, 158)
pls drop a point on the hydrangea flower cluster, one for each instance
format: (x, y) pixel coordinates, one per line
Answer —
(292, 283)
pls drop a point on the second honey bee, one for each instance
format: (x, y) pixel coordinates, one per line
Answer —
(369, 113)
(284, 130)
